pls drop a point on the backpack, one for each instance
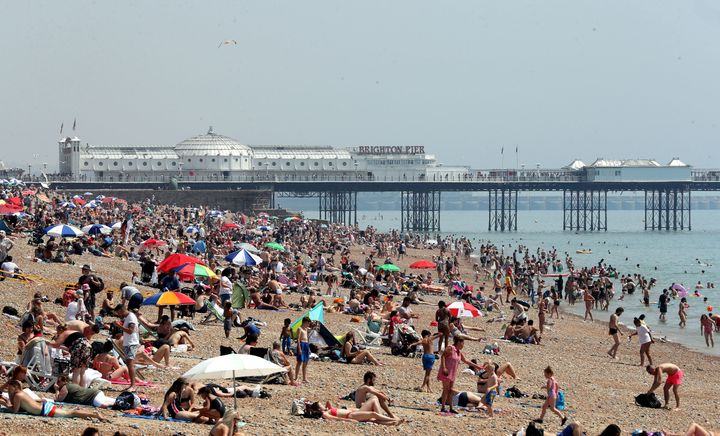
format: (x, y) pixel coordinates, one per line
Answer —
(560, 401)
(9, 310)
(126, 401)
(648, 400)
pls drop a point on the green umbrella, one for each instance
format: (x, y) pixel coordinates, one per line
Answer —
(388, 267)
(275, 246)
(274, 218)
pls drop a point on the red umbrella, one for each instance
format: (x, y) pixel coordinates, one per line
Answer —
(14, 200)
(9, 209)
(79, 201)
(423, 264)
(462, 309)
(228, 226)
(108, 200)
(28, 192)
(153, 243)
(120, 201)
(175, 260)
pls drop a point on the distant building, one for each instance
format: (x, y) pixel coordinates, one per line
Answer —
(636, 170)
(216, 157)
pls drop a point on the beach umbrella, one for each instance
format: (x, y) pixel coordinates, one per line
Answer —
(192, 230)
(107, 200)
(249, 247)
(168, 298)
(462, 309)
(189, 271)
(28, 192)
(22, 215)
(275, 246)
(233, 366)
(79, 201)
(96, 229)
(63, 231)
(293, 218)
(68, 204)
(274, 218)
(153, 243)
(243, 257)
(175, 260)
(116, 226)
(228, 226)
(423, 264)
(264, 228)
(9, 209)
(17, 201)
(102, 197)
(88, 194)
(388, 267)
(42, 197)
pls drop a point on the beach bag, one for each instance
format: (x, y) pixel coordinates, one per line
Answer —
(9, 310)
(298, 407)
(126, 401)
(560, 401)
(648, 400)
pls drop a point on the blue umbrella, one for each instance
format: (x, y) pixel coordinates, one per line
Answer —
(243, 257)
(96, 229)
(63, 231)
(191, 230)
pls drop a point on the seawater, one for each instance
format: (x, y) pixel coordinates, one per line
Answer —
(670, 257)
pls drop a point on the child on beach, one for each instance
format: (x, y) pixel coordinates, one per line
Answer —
(428, 358)
(303, 350)
(706, 329)
(552, 393)
(488, 384)
(229, 313)
(285, 336)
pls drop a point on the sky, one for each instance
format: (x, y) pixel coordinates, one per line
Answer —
(557, 80)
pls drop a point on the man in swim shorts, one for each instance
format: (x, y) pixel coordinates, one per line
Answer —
(20, 401)
(303, 350)
(674, 379)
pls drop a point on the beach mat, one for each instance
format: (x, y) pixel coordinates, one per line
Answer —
(141, 383)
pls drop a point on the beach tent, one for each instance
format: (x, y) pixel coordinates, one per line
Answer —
(317, 313)
(240, 295)
(323, 338)
(4, 226)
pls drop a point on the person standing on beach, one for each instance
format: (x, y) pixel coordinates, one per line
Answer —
(552, 393)
(303, 350)
(449, 361)
(428, 358)
(706, 329)
(542, 309)
(663, 303)
(614, 330)
(674, 379)
(442, 317)
(588, 299)
(645, 338)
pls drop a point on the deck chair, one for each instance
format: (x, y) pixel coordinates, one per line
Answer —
(214, 313)
(371, 337)
(43, 369)
(264, 353)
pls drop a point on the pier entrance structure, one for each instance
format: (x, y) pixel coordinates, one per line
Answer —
(339, 207)
(585, 210)
(667, 209)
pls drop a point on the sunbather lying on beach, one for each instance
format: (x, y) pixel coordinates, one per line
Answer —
(369, 413)
(21, 401)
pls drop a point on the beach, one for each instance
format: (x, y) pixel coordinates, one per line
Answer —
(598, 390)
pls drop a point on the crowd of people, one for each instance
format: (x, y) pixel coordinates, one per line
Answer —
(290, 254)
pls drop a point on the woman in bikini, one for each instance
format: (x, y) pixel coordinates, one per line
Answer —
(178, 402)
(315, 410)
(108, 365)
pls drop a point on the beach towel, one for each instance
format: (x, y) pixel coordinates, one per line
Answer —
(124, 382)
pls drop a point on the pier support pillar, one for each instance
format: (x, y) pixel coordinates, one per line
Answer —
(502, 210)
(667, 209)
(420, 211)
(584, 210)
(339, 207)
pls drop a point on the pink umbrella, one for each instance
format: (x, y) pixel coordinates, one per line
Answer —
(460, 309)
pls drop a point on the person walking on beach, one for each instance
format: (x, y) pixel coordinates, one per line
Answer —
(674, 380)
(552, 393)
(706, 329)
(614, 330)
(449, 361)
(645, 338)
(442, 317)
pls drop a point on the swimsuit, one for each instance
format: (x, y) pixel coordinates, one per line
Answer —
(304, 354)
(48, 408)
(613, 331)
(675, 379)
(333, 411)
(489, 397)
(428, 360)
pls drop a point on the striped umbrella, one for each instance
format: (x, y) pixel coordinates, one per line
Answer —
(63, 231)
(191, 230)
(243, 258)
(460, 309)
(96, 229)
(168, 299)
(189, 271)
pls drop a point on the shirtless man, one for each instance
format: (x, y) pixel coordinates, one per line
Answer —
(303, 350)
(529, 333)
(674, 379)
(614, 330)
(20, 401)
(368, 390)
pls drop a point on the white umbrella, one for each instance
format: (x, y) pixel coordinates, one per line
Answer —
(116, 226)
(233, 366)
(63, 231)
(249, 247)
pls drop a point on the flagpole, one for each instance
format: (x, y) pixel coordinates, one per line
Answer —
(502, 158)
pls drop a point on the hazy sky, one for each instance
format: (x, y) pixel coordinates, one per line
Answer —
(559, 79)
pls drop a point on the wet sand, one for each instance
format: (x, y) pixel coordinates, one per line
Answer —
(598, 390)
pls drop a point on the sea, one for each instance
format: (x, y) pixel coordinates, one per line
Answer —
(685, 257)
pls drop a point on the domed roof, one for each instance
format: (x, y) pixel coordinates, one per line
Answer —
(211, 144)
